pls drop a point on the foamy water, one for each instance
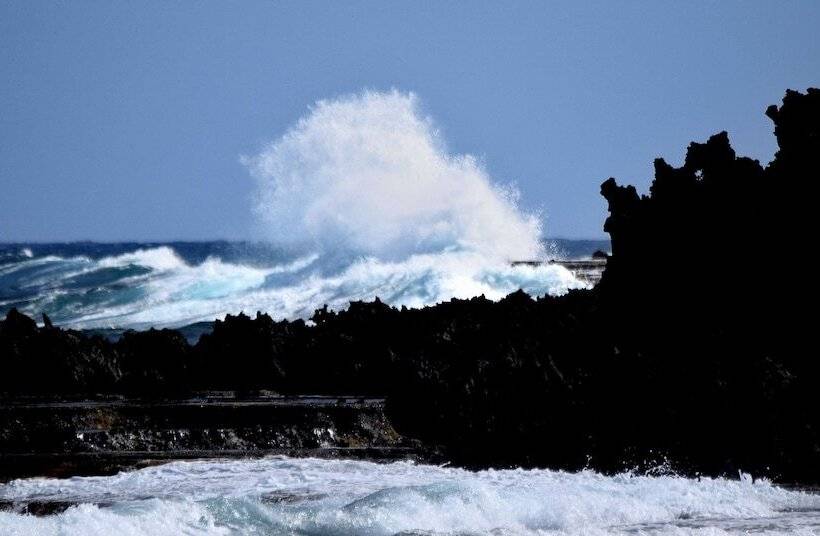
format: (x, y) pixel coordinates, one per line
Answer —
(367, 201)
(157, 287)
(371, 173)
(310, 496)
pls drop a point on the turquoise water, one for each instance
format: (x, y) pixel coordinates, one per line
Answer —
(310, 496)
(137, 285)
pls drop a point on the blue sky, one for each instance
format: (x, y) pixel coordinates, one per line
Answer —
(127, 120)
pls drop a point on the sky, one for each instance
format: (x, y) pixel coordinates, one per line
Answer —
(130, 120)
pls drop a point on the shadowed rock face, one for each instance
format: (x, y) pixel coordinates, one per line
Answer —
(693, 348)
(722, 332)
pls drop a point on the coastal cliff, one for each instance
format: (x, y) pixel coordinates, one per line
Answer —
(670, 359)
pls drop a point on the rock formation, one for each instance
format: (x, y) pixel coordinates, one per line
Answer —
(677, 355)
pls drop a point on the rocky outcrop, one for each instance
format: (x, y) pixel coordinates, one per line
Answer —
(49, 360)
(724, 351)
(674, 357)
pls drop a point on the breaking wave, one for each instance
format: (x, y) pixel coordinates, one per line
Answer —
(370, 174)
(158, 287)
(359, 199)
(310, 496)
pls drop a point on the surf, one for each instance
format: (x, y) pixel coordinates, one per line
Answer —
(158, 287)
(282, 495)
(358, 199)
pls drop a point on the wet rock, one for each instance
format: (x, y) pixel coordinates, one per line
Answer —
(287, 497)
(36, 508)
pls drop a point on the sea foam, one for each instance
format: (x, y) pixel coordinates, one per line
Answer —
(156, 287)
(310, 496)
(367, 201)
(371, 174)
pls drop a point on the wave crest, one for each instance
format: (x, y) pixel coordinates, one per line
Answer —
(353, 497)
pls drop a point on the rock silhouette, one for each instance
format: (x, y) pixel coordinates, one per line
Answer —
(689, 351)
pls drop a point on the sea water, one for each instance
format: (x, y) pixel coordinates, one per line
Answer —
(282, 495)
(140, 285)
(359, 199)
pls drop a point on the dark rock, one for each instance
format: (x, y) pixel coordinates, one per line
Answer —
(53, 361)
(55, 438)
(153, 361)
(684, 354)
(36, 508)
(286, 497)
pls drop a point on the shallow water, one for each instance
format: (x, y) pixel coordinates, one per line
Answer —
(310, 496)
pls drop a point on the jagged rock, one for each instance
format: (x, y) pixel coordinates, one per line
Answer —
(153, 361)
(681, 351)
(53, 361)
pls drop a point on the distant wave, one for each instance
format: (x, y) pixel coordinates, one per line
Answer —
(157, 287)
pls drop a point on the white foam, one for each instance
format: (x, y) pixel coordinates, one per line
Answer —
(365, 185)
(183, 294)
(150, 517)
(352, 497)
(371, 174)
(161, 259)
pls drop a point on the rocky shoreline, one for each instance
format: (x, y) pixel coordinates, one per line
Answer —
(102, 436)
(665, 361)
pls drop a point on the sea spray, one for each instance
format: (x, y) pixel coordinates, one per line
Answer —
(360, 198)
(370, 174)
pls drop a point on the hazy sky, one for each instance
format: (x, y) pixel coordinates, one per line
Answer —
(127, 120)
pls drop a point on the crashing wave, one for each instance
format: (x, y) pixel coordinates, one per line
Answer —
(157, 287)
(310, 496)
(364, 192)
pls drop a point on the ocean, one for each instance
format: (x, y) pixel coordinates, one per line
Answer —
(103, 286)
(279, 495)
(87, 285)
